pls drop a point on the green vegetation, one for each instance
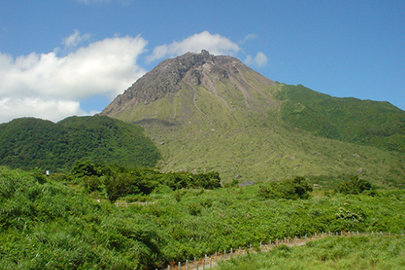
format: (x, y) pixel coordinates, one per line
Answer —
(195, 131)
(116, 182)
(296, 188)
(357, 252)
(27, 143)
(56, 221)
(355, 186)
(364, 122)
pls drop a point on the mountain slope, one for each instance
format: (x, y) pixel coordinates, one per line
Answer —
(28, 142)
(352, 120)
(210, 112)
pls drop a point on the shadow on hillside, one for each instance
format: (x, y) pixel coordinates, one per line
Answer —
(150, 121)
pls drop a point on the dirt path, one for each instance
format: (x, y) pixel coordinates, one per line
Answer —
(211, 261)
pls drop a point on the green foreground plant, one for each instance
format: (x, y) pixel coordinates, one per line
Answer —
(50, 225)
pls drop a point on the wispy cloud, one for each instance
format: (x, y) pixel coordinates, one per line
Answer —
(247, 38)
(215, 44)
(74, 39)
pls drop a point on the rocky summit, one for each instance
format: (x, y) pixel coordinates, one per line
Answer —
(213, 113)
(195, 72)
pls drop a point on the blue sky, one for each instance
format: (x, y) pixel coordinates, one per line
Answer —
(72, 57)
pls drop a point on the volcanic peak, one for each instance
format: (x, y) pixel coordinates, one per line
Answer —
(191, 68)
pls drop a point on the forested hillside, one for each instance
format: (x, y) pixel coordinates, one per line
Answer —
(28, 143)
(364, 122)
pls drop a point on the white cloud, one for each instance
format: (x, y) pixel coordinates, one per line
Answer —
(215, 44)
(53, 110)
(74, 39)
(259, 60)
(47, 84)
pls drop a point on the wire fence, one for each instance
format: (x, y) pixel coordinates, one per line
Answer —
(211, 261)
(126, 204)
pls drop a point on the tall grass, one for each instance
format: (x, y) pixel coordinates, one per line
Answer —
(357, 252)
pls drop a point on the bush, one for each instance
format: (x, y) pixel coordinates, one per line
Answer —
(296, 188)
(355, 186)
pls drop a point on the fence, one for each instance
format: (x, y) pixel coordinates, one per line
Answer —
(208, 262)
(125, 204)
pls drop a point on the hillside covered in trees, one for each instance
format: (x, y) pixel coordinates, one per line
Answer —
(27, 143)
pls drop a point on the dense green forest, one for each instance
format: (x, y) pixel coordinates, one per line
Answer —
(364, 122)
(62, 222)
(27, 143)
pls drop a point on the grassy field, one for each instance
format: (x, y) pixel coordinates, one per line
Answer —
(49, 223)
(355, 253)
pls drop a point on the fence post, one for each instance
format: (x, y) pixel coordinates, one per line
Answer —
(179, 265)
(225, 254)
(186, 264)
(168, 267)
(195, 264)
(216, 256)
(231, 253)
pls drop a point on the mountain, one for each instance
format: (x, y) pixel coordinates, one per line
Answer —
(207, 112)
(28, 143)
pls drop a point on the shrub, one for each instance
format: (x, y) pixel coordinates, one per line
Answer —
(355, 186)
(296, 188)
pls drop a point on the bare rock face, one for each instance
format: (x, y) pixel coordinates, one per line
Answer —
(193, 69)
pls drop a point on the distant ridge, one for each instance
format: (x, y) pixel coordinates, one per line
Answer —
(207, 112)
